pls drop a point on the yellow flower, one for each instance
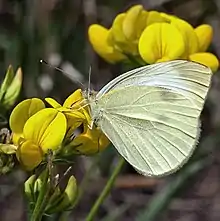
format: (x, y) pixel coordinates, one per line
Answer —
(73, 110)
(37, 129)
(157, 43)
(134, 22)
(154, 37)
(155, 17)
(98, 37)
(89, 142)
(29, 155)
(207, 59)
(196, 42)
(122, 38)
(204, 35)
(127, 28)
(167, 17)
(188, 34)
(46, 128)
(77, 114)
(21, 113)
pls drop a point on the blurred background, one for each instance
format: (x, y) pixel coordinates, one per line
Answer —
(56, 31)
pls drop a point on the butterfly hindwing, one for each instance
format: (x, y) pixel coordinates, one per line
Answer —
(154, 129)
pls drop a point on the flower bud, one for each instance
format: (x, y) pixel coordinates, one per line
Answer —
(29, 187)
(7, 81)
(13, 91)
(66, 199)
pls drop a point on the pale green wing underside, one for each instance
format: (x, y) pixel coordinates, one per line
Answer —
(152, 118)
(180, 75)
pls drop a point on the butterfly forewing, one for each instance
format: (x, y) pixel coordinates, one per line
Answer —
(176, 75)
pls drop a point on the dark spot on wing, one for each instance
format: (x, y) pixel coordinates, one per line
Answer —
(167, 95)
(163, 118)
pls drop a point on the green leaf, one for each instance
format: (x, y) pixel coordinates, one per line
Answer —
(7, 81)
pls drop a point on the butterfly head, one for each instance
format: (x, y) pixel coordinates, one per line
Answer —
(94, 109)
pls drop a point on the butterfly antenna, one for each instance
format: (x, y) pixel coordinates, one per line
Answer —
(58, 69)
(89, 83)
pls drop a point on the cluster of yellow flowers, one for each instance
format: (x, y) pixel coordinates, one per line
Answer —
(36, 129)
(151, 37)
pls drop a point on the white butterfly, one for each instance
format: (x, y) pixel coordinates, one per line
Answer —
(151, 114)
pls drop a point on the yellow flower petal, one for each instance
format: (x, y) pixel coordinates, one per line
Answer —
(189, 36)
(79, 112)
(98, 36)
(117, 28)
(74, 120)
(73, 109)
(75, 98)
(29, 154)
(157, 43)
(134, 19)
(75, 115)
(46, 128)
(90, 142)
(141, 23)
(118, 37)
(167, 17)
(16, 138)
(52, 102)
(22, 112)
(155, 17)
(204, 34)
(207, 59)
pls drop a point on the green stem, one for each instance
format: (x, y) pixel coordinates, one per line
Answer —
(85, 180)
(42, 199)
(105, 191)
(137, 61)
